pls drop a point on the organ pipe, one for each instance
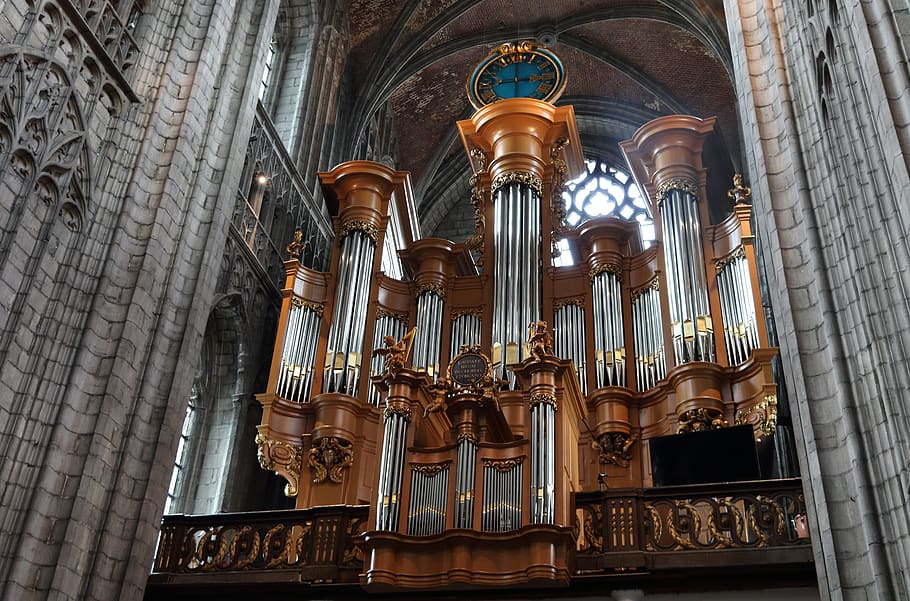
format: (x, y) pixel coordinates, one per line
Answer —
(516, 293)
(391, 467)
(569, 337)
(464, 483)
(609, 335)
(428, 338)
(345, 345)
(501, 510)
(734, 284)
(543, 458)
(465, 330)
(687, 288)
(427, 503)
(648, 338)
(298, 355)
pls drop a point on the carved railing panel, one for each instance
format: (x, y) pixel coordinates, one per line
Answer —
(753, 515)
(321, 539)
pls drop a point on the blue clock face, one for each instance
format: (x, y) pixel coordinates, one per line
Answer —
(516, 71)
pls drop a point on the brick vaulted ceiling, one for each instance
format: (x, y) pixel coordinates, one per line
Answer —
(626, 62)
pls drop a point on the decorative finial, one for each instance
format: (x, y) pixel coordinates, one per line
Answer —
(739, 193)
(295, 249)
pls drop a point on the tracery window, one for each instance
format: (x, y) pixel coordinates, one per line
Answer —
(604, 190)
(178, 475)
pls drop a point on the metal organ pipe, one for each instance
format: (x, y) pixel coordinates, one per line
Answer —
(427, 513)
(609, 342)
(299, 351)
(464, 484)
(516, 294)
(429, 327)
(569, 331)
(647, 328)
(543, 461)
(345, 341)
(737, 307)
(390, 470)
(687, 288)
(465, 329)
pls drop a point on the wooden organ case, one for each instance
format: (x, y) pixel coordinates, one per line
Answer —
(500, 391)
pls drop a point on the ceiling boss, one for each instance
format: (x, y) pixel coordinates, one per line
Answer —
(517, 70)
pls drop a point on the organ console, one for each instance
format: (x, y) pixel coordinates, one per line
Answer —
(469, 440)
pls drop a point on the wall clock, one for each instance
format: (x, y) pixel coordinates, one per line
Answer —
(520, 70)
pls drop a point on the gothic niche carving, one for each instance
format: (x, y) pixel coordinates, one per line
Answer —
(282, 458)
(615, 448)
(701, 419)
(329, 458)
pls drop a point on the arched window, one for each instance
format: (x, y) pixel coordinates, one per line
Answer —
(604, 190)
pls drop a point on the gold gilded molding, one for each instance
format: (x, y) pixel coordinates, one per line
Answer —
(739, 193)
(683, 185)
(383, 312)
(542, 398)
(397, 408)
(329, 458)
(517, 177)
(478, 201)
(654, 284)
(557, 206)
(282, 458)
(615, 448)
(297, 246)
(357, 225)
(474, 312)
(701, 419)
(609, 268)
(565, 302)
(437, 289)
(469, 436)
(503, 465)
(762, 416)
(317, 308)
(737, 253)
(430, 469)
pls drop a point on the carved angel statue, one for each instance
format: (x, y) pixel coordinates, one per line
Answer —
(539, 340)
(440, 389)
(395, 353)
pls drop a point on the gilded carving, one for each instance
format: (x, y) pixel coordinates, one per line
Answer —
(474, 312)
(739, 193)
(397, 408)
(357, 225)
(542, 398)
(540, 342)
(517, 177)
(700, 419)
(430, 469)
(738, 253)
(557, 206)
(654, 284)
(615, 448)
(503, 465)
(395, 353)
(383, 312)
(297, 246)
(317, 308)
(762, 416)
(282, 458)
(610, 268)
(329, 458)
(478, 201)
(564, 302)
(432, 287)
(682, 185)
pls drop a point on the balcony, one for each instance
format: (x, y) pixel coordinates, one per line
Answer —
(737, 535)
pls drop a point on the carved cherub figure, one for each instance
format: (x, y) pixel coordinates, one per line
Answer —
(539, 340)
(395, 352)
(440, 389)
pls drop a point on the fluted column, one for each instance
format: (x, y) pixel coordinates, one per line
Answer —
(519, 137)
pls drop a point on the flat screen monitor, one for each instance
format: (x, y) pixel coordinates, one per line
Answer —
(724, 455)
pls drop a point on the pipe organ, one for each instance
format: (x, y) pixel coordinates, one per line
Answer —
(466, 402)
